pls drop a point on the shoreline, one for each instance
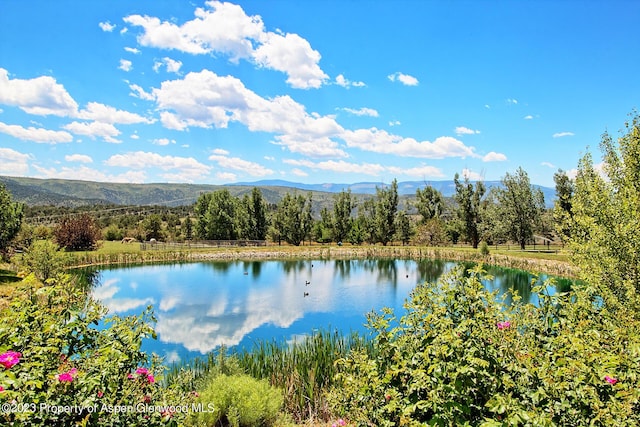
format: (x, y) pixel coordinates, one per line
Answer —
(534, 265)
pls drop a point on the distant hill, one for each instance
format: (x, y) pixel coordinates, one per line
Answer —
(447, 188)
(62, 192)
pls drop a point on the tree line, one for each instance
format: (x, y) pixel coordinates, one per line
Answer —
(513, 212)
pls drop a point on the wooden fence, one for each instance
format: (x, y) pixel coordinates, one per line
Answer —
(199, 244)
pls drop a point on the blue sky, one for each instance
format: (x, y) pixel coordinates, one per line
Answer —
(311, 91)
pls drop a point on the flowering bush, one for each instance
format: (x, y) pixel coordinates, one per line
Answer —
(61, 368)
(9, 358)
(451, 360)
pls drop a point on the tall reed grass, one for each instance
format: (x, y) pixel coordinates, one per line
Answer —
(304, 369)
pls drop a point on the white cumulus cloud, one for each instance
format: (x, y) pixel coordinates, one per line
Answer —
(106, 131)
(81, 158)
(461, 130)
(205, 99)
(125, 65)
(494, 157)
(41, 96)
(238, 164)
(34, 134)
(13, 162)
(405, 79)
(341, 80)
(362, 111)
(107, 26)
(225, 28)
(175, 168)
(380, 141)
(107, 114)
(171, 65)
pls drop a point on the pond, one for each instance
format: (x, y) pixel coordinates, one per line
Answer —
(202, 306)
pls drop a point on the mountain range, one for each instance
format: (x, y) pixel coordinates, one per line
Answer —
(62, 192)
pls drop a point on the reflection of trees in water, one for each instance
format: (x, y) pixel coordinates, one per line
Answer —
(220, 266)
(385, 269)
(509, 281)
(430, 270)
(87, 277)
(255, 267)
(563, 285)
(342, 268)
(295, 265)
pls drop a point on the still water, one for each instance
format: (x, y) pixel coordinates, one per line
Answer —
(201, 306)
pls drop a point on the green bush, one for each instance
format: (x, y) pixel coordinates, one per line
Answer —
(237, 400)
(44, 259)
(483, 248)
(458, 357)
(59, 368)
(113, 233)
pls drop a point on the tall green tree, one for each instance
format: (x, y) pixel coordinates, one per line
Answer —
(188, 228)
(605, 231)
(256, 208)
(293, 219)
(152, 227)
(562, 208)
(520, 206)
(342, 221)
(10, 218)
(323, 229)
(403, 227)
(469, 208)
(430, 203)
(216, 214)
(384, 212)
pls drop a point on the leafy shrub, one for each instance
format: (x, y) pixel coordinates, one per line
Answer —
(77, 233)
(60, 369)
(113, 233)
(238, 400)
(44, 259)
(458, 357)
(483, 248)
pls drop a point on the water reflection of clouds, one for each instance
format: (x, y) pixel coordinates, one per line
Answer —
(201, 307)
(224, 317)
(106, 294)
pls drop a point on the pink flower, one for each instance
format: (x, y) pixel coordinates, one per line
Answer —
(504, 325)
(10, 358)
(67, 377)
(151, 379)
(610, 380)
(1, 389)
(100, 394)
(142, 371)
(130, 376)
